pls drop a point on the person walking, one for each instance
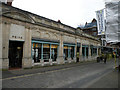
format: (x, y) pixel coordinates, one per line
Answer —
(105, 57)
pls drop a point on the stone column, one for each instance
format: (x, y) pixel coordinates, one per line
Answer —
(100, 50)
(60, 59)
(27, 59)
(75, 50)
(41, 60)
(81, 52)
(5, 45)
(0, 46)
(85, 58)
(89, 51)
(50, 60)
(97, 50)
(89, 57)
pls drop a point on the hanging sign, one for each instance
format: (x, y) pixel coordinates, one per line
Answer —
(100, 22)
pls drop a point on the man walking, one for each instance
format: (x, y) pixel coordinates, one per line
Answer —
(105, 57)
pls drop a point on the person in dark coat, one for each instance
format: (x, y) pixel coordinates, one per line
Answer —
(105, 58)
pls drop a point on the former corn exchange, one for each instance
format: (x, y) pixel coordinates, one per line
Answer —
(27, 40)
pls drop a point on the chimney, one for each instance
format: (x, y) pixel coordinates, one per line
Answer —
(59, 21)
(9, 2)
(86, 23)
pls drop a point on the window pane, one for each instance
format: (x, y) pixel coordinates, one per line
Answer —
(54, 46)
(46, 52)
(39, 51)
(65, 52)
(54, 52)
(72, 52)
(36, 52)
(83, 51)
(87, 51)
(91, 51)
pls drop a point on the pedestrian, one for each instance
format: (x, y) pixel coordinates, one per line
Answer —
(105, 57)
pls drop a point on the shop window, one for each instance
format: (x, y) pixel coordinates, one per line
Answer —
(46, 52)
(87, 52)
(91, 51)
(72, 52)
(68, 52)
(83, 51)
(36, 52)
(65, 52)
(54, 52)
(94, 51)
(99, 51)
(78, 49)
(78, 53)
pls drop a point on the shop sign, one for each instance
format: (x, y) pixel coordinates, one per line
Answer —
(17, 32)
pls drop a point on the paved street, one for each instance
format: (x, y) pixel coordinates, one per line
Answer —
(80, 75)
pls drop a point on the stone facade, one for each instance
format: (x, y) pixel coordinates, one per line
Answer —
(40, 28)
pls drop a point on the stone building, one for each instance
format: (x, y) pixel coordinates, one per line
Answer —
(28, 40)
(91, 28)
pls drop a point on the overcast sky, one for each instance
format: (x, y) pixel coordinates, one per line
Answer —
(69, 12)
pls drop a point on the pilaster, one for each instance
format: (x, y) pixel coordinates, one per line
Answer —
(5, 45)
(0, 45)
(50, 61)
(97, 51)
(60, 58)
(27, 60)
(81, 52)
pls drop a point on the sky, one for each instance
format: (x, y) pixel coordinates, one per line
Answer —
(69, 12)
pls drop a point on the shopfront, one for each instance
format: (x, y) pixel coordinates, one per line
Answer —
(85, 51)
(16, 42)
(28, 40)
(69, 51)
(15, 54)
(44, 50)
(94, 50)
(78, 52)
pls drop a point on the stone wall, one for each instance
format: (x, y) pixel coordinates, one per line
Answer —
(0, 45)
(5, 44)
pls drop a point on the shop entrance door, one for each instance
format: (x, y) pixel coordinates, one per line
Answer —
(78, 53)
(15, 54)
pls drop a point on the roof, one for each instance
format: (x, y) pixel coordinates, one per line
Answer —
(27, 12)
(89, 25)
(6, 12)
